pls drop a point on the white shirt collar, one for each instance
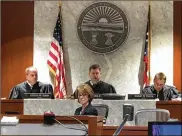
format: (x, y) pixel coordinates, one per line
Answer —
(29, 84)
(93, 83)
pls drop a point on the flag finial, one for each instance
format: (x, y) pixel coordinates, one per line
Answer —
(60, 3)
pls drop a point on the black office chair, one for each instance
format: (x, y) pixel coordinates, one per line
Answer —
(143, 116)
(102, 110)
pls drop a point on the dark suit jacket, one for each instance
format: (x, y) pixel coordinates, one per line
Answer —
(89, 110)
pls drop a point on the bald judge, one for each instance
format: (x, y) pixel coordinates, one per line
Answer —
(31, 85)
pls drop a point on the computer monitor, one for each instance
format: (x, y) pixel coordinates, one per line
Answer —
(165, 128)
(37, 95)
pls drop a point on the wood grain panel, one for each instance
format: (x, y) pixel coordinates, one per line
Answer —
(174, 107)
(12, 106)
(177, 44)
(17, 42)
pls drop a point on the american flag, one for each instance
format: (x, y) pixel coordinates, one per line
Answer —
(146, 54)
(55, 60)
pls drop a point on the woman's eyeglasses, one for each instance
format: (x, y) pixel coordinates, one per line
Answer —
(82, 95)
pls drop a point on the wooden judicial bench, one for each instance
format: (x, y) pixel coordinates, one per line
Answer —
(12, 106)
(16, 107)
(95, 124)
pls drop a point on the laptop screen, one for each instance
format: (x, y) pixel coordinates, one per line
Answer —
(165, 128)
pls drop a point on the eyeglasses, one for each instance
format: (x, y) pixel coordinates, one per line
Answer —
(159, 85)
(82, 95)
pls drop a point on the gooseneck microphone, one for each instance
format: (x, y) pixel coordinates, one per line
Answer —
(82, 124)
(50, 119)
(118, 130)
(85, 130)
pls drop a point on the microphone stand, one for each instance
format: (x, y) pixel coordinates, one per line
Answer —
(118, 130)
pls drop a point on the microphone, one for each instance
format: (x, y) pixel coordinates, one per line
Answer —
(128, 111)
(82, 124)
(50, 119)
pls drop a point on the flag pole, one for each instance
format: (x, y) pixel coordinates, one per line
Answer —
(56, 53)
(55, 91)
(60, 4)
(64, 55)
(149, 40)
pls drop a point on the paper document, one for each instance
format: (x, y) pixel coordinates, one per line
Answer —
(178, 99)
(9, 120)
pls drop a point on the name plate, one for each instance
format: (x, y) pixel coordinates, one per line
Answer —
(37, 96)
(109, 96)
(141, 96)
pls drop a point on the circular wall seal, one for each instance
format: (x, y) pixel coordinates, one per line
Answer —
(103, 27)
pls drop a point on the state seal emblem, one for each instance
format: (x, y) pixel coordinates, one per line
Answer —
(103, 27)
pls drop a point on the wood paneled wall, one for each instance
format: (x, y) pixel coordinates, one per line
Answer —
(17, 23)
(177, 44)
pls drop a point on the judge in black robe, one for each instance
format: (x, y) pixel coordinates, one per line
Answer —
(18, 91)
(98, 86)
(166, 93)
(162, 91)
(31, 85)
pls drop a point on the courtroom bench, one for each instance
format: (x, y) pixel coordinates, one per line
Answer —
(29, 107)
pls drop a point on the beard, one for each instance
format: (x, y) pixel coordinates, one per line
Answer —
(95, 81)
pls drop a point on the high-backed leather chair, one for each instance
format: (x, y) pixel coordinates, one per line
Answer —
(102, 110)
(143, 116)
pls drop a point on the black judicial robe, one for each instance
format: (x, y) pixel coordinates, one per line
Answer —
(89, 110)
(167, 92)
(101, 87)
(18, 91)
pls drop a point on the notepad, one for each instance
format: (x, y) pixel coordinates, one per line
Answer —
(178, 99)
(9, 121)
